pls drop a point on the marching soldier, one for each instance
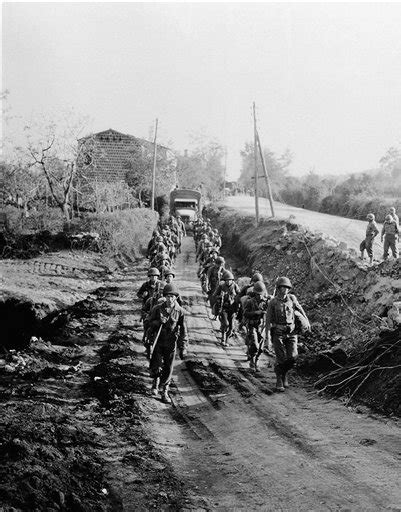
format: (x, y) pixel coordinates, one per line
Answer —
(390, 233)
(280, 321)
(225, 305)
(371, 232)
(254, 314)
(168, 332)
(214, 275)
(151, 287)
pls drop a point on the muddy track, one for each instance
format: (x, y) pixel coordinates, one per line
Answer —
(247, 448)
(82, 416)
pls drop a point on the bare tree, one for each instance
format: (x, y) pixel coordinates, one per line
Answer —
(51, 147)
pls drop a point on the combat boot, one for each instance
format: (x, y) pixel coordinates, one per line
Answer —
(223, 339)
(279, 383)
(155, 386)
(165, 396)
(285, 380)
(252, 365)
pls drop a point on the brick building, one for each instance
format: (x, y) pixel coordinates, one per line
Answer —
(103, 158)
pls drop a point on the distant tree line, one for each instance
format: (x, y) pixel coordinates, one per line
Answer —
(352, 196)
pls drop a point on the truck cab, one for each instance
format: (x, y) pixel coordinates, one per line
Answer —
(186, 203)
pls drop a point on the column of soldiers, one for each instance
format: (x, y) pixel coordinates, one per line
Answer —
(162, 314)
(271, 321)
(389, 236)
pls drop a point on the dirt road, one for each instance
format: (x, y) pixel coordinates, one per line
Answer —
(350, 231)
(236, 445)
(79, 412)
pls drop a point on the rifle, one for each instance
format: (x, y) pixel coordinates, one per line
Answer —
(155, 341)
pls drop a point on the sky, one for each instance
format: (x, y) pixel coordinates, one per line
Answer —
(326, 77)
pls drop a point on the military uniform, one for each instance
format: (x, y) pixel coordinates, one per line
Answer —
(254, 313)
(172, 335)
(390, 234)
(225, 306)
(367, 244)
(280, 318)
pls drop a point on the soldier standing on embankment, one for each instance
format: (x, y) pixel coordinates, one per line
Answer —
(280, 320)
(390, 233)
(371, 232)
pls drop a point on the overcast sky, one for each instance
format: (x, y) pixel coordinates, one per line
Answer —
(326, 77)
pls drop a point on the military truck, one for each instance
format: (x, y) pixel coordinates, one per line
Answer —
(186, 203)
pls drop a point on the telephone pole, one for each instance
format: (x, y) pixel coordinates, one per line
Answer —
(154, 167)
(256, 166)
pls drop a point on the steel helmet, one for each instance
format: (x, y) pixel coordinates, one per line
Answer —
(227, 275)
(169, 271)
(153, 271)
(283, 281)
(389, 218)
(259, 287)
(214, 250)
(370, 216)
(220, 259)
(170, 289)
(392, 209)
(257, 277)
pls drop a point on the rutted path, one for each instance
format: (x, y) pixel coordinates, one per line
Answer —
(238, 446)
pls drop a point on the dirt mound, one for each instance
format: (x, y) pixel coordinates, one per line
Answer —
(348, 303)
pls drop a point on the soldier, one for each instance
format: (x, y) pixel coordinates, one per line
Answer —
(243, 296)
(168, 332)
(371, 232)
(225, 305)
(214, 275)
(150, 287)
(395, 216)
(280, 321)
(169, 277)
(254, 314)
(390, 233)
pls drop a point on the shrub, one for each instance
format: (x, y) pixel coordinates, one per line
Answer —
(125, 232)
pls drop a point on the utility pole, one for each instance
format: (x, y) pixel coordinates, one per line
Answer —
(269, 190)
(225, 172)
(154, 167)
(256, 166)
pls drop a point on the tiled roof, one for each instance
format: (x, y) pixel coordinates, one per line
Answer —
(113, 150)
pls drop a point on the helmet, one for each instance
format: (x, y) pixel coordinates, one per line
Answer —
(392, 209)
(169, 271)
(227, 275)
(257, 277)
(166, 257)
(220, 259)
(259, 287)
(216, 231)
(389, 218)
(208, 244)
(204, 235)
(159, 238)
(153, 271)
(283, 281)
(370, 216)
(213, 250)
(170, 289)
